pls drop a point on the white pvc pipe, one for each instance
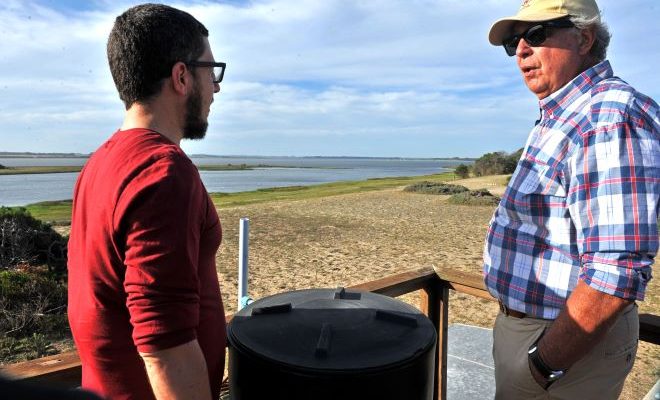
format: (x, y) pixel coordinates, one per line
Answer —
(243, 244)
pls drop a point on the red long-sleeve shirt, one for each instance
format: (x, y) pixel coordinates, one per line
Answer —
(142, 276)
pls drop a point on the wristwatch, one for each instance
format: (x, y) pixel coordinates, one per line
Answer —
(549, 374)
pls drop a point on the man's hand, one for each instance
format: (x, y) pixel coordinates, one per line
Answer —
(588, 316)
(178, 373)
(540, 379)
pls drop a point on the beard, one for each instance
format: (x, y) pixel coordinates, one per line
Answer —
(195, 124)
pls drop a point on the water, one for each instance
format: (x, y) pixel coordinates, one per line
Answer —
(16, 190)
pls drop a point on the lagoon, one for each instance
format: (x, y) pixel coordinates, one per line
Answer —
(18, 190)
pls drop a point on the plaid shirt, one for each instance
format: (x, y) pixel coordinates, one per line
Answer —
(583, 201)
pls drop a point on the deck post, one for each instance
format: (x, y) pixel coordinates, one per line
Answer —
(435, 304)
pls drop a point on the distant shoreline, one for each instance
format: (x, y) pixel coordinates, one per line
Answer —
(76, 168)
(9, 154)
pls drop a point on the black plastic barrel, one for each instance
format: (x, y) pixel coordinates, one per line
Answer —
(331, 344)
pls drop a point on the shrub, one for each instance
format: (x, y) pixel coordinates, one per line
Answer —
(32, 314)
(479, 197)
(435, 188)
(31, 302)
(2, 167)
(462, 171)
(26, 240)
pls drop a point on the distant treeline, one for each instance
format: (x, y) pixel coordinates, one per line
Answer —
(497, 163)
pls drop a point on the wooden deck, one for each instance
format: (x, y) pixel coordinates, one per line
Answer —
(65, 370)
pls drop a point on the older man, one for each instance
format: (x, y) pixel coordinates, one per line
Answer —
(144, 300)
(570, 248)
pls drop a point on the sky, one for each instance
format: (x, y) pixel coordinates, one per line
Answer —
(377, 78)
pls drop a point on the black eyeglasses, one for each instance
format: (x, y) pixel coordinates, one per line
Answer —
(534, 36)
(218, 68)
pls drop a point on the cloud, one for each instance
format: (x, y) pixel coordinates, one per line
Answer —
(333, 77)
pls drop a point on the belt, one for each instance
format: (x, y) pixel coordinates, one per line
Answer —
(509, 312)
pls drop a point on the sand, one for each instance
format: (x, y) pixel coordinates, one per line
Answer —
(349, 239)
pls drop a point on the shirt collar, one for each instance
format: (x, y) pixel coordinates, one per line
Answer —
(576, 87)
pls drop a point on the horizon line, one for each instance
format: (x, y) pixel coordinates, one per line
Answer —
(30, 154)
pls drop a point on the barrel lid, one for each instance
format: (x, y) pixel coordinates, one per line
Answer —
(332, 330)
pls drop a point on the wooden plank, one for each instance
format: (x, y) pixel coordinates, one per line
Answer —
(62, 369)
(397, 285)
(481, 293)
(649, 328)
(448, 274)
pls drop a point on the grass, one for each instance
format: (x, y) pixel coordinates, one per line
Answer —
(59, 212)
(39, 170)
(223, 200)
(56, 212)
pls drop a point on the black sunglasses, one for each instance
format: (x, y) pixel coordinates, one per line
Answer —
(534, 36)
(218, 68)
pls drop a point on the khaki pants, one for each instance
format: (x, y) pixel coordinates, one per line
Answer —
(599, 375)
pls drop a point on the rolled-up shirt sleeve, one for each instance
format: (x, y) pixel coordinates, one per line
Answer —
(162, 226)
(613, 201)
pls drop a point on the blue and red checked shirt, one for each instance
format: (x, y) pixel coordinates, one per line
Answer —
(583, 201)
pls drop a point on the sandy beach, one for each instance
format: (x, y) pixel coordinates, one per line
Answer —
(349, 239)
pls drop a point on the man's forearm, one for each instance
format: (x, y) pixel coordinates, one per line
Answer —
(178, 373)
(588, 316)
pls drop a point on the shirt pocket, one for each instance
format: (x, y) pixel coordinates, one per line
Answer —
(542, 179)
(536, 192)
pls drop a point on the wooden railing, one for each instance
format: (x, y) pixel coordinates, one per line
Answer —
(65, 370)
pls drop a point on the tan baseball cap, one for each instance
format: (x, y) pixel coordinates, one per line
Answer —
(539, 11)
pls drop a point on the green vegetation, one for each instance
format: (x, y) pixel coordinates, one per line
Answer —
(2, 167)
(223, 200)
(25, 240)
(55, 212)
(32, 314)
(39, 170)
(497, 163)
(462, 171)
(32, 289)
(479, 197)
(435, 188)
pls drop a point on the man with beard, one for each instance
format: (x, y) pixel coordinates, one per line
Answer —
(144, 300)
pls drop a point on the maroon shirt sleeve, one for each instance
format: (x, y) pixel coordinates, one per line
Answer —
(161, 216)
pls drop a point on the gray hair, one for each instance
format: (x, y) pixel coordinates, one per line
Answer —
(602, 40)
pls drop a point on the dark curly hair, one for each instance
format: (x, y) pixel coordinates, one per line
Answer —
(144, 44)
